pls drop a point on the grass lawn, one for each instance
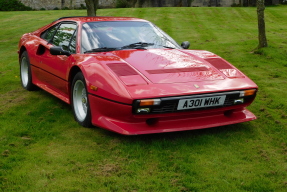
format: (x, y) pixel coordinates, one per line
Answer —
(42, 148)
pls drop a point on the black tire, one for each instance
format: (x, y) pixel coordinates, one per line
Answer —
(25, 72)
(80, 101)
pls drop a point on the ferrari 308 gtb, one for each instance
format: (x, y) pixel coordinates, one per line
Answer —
(128, 76)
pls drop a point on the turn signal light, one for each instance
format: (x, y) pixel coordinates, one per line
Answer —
(94, 88)
(149, 102)
(247, 92)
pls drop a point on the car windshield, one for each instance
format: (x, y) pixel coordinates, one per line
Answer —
(117, 35)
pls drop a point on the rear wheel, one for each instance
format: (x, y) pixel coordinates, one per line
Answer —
(80, 101)
(25, 72)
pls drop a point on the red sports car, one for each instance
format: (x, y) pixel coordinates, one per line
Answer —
(128, 76)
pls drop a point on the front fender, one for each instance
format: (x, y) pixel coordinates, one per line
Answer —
(101, 81)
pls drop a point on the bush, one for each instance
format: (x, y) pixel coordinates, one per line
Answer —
(235, 5)
(13, 5)
(122, 4)
(83, 6)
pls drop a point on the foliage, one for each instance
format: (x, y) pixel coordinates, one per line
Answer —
(140, 3)
(43, 149)
(235, 5)
(13, 5)
(122, 4)
(82, 6)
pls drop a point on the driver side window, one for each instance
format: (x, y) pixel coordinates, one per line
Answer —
(48, 34)
(62, 35)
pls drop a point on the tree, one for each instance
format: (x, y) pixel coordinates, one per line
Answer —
(261, 24)
(92, 6)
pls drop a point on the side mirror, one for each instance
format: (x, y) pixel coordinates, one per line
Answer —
(185, 44)
(59, 51)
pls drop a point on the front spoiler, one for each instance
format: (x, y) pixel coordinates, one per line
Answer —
(118, 118)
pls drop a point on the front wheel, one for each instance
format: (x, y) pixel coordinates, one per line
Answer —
(80, 101)
(25, 72)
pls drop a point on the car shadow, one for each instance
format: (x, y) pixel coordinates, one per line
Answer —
(243, 129)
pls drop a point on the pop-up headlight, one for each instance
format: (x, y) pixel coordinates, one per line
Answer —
(127, 74)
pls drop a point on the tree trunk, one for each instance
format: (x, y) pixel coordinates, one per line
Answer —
(92, 6)
(261, 24)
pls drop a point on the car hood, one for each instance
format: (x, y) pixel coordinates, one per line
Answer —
(169, 65)
(165, 72)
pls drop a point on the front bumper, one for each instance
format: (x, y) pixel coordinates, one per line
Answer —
(119, 118)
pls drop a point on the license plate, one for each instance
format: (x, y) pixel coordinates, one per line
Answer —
(201, 102)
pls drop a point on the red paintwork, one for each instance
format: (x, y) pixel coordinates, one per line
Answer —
(151, 73)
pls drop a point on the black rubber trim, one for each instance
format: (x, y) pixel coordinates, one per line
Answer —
(109, 99)
(75, 17)
(67, 18)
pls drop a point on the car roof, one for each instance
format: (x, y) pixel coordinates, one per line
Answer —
(84, 19)
(97, 18)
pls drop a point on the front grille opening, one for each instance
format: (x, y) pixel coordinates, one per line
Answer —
(228, 113)
(152, 121)
(169, 105)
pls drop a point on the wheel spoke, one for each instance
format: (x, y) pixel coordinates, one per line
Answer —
(80, 100)
(24, 72)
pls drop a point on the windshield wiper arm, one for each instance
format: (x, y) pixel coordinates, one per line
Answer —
(101, 49)
(168, 47)
(138, 45)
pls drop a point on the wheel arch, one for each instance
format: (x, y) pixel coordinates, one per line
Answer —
(74, 70)
(100, 82)
(22, 49)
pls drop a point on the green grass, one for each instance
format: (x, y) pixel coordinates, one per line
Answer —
(42, 148)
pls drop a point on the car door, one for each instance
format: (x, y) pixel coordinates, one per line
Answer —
(53, 69)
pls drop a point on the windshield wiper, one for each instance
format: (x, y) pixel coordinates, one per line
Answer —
(138, 45)
(168, 47)
(101, 49)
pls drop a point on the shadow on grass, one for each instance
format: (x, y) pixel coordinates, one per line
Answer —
(223, 132)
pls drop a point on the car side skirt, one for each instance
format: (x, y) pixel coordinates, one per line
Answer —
(51, 89)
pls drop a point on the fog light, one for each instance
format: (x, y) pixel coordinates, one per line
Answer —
(239, 101)
(143, 110)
